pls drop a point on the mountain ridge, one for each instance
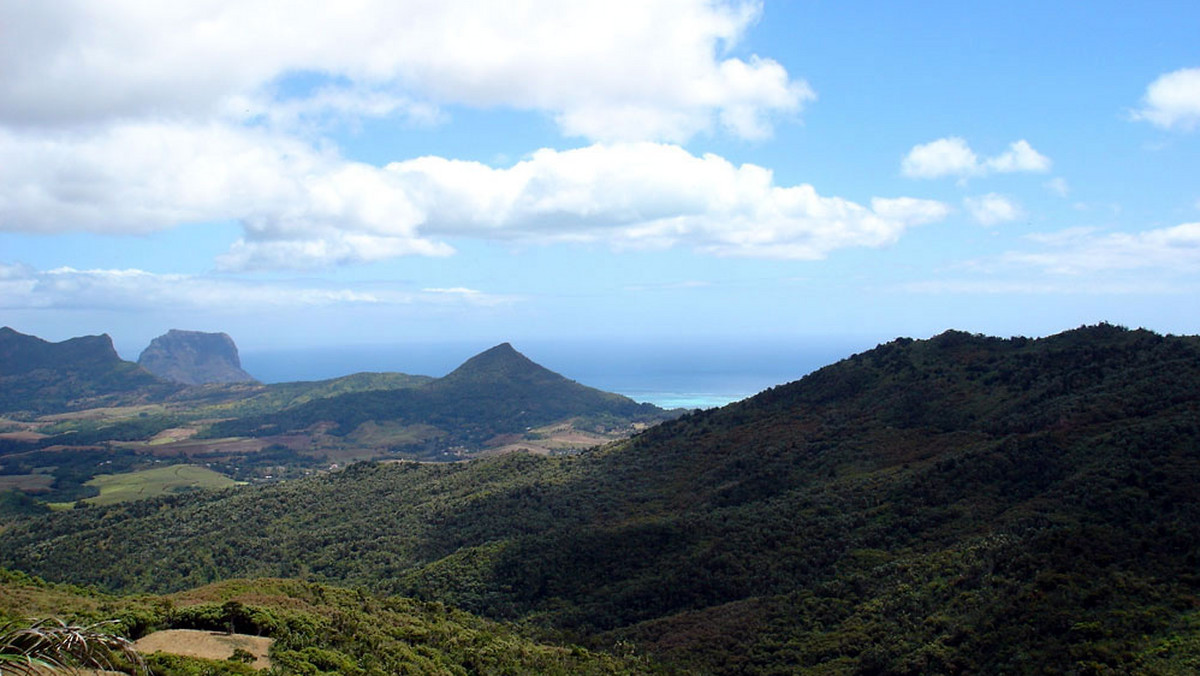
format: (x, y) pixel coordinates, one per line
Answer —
(44, 377)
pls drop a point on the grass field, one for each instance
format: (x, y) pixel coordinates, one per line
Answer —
(153, 482)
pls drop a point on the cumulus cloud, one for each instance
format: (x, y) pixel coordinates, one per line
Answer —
(1173, 101)
(643, 195)
(627, 69)
(944, 157)
(992, 209)
(23, 287)
(1020, 156)
(952, 156)
(316, 208)
(303, 208)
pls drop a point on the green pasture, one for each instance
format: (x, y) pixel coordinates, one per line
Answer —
(150, 483)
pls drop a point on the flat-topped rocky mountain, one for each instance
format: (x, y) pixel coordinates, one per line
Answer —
(194, 358)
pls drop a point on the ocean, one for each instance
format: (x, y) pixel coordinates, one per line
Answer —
(667, 374)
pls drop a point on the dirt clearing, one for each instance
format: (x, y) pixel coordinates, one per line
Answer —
(213, 645)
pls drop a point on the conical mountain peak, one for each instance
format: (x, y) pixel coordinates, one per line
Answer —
(502, 363)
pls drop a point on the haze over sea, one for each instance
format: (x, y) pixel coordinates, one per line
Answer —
(667, 374)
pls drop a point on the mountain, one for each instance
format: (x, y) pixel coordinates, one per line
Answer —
(962, 504)
(497, 392)
(194, 358)
(499, 365)
(37, 376)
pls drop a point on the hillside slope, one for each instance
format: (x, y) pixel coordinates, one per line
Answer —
(37, 376)
(316, 629)
(957, 505)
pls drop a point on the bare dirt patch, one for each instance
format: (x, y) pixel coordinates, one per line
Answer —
(548, 439)
(173, 435)
(29, 483)
(212, 645)
(22, 435)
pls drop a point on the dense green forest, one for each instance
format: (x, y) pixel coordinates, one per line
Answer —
(962, 504)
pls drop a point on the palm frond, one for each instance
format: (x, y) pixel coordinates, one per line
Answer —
(55, 645)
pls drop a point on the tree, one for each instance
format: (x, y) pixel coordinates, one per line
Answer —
(53, 644)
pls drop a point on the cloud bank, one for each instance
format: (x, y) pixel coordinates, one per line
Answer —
(1174, 250)
(303, 208)
(620, 70)
(22, 287)
(130, 118)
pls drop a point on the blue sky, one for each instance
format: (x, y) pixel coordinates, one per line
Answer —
(391, 172)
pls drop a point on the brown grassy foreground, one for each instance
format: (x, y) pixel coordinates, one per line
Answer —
(213, 645)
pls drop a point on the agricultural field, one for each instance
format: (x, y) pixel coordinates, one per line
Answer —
(150, 483)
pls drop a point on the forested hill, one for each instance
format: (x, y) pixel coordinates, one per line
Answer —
(961, 504)
(44, 377)
(499, 391)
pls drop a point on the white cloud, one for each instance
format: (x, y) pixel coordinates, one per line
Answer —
(952, 156)
(316, 208)
(626, 69)
(1080, 251)
(991, 209)
(1020, 156)
(303, 208)
(651, 195)
(944, 157)
(22, 287)
(1173, 100)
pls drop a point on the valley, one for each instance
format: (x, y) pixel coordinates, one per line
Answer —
(72, 429)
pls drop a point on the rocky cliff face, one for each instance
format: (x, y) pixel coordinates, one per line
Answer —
(194, 358)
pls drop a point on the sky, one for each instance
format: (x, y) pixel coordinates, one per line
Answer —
(379, 172)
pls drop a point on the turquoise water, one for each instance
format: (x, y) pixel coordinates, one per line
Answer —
(670, 375)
